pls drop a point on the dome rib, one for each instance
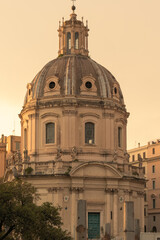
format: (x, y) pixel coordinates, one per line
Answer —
(70, 70)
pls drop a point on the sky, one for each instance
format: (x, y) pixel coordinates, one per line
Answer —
(124, 37)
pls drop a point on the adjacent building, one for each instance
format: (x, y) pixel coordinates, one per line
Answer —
(149, 156)
(9, 148)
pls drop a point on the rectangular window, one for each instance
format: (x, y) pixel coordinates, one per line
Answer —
(133, 158)
(144, 170)
(153, 169)
(145, 229)
(153, 150)
(145, 212)
(154, 218)
(119, 137)
(144, 155)
(50, 133)
(145, 197)
(138, 156)
(153, 184)
(17, 146)
(154, 203)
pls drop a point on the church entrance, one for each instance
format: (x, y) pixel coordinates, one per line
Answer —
(93, 225)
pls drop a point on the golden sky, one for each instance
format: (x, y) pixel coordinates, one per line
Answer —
(124, 37)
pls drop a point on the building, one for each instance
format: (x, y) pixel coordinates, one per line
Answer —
(74, 143)
(9, 148)
(149, 155)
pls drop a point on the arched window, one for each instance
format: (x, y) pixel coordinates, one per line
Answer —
(68, 42)
(89, 133)
(76, 40)
(50, 133)
(154, 229)
(119, 137)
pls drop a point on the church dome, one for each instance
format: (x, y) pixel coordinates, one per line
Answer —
(74, 75)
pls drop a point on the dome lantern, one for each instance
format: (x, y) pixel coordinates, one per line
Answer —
(73, 36)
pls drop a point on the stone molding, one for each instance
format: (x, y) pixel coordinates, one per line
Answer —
(111, 190)
(121, 120)
(82, 115)
(77, 189)
(50, 114)
(69, 112)
(108, 115)
(54, 189)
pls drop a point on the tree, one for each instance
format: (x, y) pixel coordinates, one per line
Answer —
(21, 218)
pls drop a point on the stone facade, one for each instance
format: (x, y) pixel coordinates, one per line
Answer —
(73, 129)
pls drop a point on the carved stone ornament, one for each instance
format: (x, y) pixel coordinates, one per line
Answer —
(121, 199)
(74, 153)
(52, 87)
(88, 86)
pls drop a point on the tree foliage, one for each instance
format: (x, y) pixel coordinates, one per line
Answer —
(21, 218)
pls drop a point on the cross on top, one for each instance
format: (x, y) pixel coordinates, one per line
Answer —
(73, 1)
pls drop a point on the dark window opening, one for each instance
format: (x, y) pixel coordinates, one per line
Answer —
(154, 218)
(119, 137)
(144, 155)
(133, 158)
(50, 133)
(89, 132)
(76, 40)
(153, 150)
(153, 184)
(88, 84)
(68, 42)
(115, 90)
(154, 203)
(52, 85)
(153, 169)
(145, 212)
(154, 229)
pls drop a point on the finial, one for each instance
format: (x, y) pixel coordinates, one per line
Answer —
(73, 7)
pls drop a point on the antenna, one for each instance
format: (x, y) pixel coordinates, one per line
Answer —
(73, 1)
(13, 132)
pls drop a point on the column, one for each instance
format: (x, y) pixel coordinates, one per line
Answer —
(73, 214)
(115, 212)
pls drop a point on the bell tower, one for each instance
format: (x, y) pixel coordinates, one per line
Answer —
(73, 36)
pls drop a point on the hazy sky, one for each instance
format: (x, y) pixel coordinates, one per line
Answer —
(124, 37)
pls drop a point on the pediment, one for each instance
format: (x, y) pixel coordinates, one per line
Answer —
(95, 170)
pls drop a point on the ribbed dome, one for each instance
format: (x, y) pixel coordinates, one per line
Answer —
(70, 70)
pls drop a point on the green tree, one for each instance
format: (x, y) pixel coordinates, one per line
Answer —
(21, 218)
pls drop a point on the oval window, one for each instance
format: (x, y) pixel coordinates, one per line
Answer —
(52, 85)
(88, 84)
(115, 90)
